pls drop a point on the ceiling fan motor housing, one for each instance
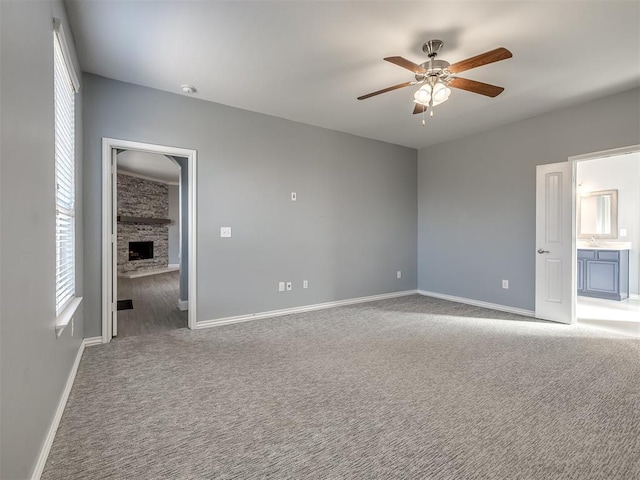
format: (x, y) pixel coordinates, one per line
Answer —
(434, 68)
(432, 47)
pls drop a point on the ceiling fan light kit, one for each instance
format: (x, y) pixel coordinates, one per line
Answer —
(424, 94)
(437, 76)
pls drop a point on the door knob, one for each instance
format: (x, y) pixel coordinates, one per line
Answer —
(541, 251)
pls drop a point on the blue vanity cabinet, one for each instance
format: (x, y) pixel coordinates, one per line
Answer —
(603, 274)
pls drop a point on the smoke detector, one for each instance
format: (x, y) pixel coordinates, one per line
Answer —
(188, 89)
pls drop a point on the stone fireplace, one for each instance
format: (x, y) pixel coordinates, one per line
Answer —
(143, 227)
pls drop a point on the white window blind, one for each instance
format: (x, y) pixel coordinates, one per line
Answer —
(64, 93)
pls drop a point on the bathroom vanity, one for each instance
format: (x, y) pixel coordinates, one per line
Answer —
(603, 270)
(603, 263)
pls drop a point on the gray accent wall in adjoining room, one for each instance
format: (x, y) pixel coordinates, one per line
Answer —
(476, 197)
(35, 365)
(351, 229)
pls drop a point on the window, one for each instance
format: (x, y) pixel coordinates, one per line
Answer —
(65, 88)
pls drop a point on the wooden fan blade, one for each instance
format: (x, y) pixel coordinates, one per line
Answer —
(388, 89)
(419, 108)
(475, 87)
(480, 60)
(409, 65)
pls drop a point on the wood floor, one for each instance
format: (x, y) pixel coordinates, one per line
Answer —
(155, 304)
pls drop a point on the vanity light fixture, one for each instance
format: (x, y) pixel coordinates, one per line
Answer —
(188, 89)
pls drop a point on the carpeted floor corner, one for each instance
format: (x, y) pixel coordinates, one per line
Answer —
(408, 388)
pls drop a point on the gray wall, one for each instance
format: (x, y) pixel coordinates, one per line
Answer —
(34, 363)
(476, 197)
(174, 227)
(623, 174)
(352, 228)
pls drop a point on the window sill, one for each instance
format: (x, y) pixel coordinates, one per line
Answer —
(66, 315)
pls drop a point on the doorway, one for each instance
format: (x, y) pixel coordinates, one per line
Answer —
(148, 252)
(558, 271)
(148, 227)
(608, 240)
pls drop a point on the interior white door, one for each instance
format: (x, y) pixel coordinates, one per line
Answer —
(114, 244)
(554, 246)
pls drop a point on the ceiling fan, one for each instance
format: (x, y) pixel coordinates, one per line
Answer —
(436, 76)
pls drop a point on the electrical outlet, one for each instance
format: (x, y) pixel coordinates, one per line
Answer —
(623, 232)
(505, 284)
(289, 286)
(305, 284)
(281, 287)
(294, 197)
(399, 274)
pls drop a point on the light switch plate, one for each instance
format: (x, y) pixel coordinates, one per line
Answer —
(225, 232)
(623, 232)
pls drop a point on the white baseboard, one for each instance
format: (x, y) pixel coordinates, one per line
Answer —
(478, 303)
(633, 296)
(307, 308)
(91, 341)
(183, 305)
(53, 428)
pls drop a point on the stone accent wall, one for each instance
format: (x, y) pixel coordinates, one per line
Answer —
(138, 197)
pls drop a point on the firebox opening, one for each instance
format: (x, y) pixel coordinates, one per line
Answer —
(140, 250)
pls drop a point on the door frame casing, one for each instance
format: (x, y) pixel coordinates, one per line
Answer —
(109, 212)
(575, 159)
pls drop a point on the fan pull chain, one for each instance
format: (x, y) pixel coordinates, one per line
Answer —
(433, 82)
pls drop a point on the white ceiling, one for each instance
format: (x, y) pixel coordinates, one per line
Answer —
(150, 165)
(308, 61)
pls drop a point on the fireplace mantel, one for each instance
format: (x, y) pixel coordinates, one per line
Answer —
(150, 221)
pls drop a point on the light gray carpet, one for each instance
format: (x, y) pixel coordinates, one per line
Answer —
(409, 388)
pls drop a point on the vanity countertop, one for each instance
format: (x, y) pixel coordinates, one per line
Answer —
(603, 245)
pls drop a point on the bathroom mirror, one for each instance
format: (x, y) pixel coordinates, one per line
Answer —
(598, 214)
